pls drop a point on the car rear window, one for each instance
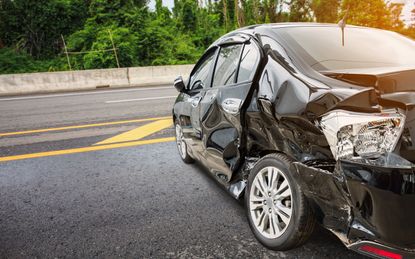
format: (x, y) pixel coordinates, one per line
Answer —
(321, 47)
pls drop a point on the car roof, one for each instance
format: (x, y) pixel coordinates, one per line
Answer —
(268, 27)
(294, 24)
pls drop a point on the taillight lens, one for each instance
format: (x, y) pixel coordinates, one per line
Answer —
(379, 252)
(352, 134)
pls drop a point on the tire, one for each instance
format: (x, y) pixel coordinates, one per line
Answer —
(181, 145)
(282, 233)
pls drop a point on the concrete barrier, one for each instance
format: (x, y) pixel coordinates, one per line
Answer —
(90, 79)
(157, 75)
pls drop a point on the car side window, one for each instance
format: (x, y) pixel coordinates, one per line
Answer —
(227, 65)
(200, 77)
(249, 63)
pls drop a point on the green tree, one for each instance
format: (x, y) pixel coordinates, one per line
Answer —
(208, 29)
(14, 61)
(30, 30)
(125, 19)
(395, 11)
(300, 11)
(371, 13)
(36, 26)
(126, 49)
(326, 11)
(187, 18)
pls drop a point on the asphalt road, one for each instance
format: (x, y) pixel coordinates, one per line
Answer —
(83, 196)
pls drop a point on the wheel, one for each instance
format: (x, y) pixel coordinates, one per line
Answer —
(181, 145)
(278, 212)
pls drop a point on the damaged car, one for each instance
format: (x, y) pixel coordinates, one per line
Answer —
(309, 123)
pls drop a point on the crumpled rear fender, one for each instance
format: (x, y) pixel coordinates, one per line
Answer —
(363, 201)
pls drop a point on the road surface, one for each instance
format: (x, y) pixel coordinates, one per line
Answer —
(96, 174)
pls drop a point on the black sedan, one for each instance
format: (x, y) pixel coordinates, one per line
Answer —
(309, 123)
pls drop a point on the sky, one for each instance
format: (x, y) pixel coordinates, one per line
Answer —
(168, 3)
(406, 14)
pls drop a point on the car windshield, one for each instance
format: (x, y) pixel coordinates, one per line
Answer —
(321, 47)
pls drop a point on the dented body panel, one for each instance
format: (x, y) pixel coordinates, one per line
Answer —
(281, 110)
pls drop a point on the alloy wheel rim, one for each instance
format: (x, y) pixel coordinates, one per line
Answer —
(180, 141)
(271, 202)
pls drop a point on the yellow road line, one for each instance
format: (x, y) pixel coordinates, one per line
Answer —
(139, 132)
(85, 149)
(79, 126)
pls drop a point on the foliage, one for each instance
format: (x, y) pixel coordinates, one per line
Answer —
(300, 11)
(326, 11)
(36, 26)
(30, 31)
(371, 13)
(12, 61)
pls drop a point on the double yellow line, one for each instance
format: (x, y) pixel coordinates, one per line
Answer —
(127, 139)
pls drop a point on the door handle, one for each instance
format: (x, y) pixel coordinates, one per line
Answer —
(231, 105)
(195, 101)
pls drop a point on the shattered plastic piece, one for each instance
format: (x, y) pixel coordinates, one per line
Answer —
(236, 189)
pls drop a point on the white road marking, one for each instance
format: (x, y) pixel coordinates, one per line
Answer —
(84, 93)
(141, 99)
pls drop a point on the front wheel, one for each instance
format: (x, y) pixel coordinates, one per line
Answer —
(181, 145)
(278, 212)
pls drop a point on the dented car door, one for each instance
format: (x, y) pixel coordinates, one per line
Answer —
(221, 110)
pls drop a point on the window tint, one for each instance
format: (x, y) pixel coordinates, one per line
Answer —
(322, 48)
(227, 64)
(202, 72)
(249, 62)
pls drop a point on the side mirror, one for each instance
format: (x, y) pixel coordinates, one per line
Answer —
(179, 84)
(198, 85)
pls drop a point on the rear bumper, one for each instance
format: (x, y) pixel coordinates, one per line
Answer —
(382, 199)
(364, 201)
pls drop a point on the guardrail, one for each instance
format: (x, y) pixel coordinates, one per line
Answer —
(15, 84)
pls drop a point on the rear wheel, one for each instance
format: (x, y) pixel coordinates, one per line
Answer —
(278, 212)
(181, 145)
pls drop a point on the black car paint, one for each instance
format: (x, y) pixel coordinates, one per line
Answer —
(281, 108)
